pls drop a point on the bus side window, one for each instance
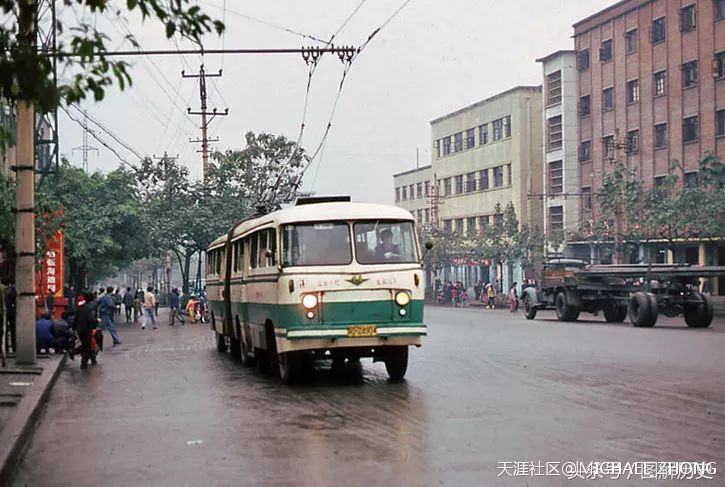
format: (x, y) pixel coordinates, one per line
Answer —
(219, 258)
(272, 243)
(253, 250)
(262, 259)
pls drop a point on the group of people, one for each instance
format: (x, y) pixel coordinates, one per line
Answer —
(456, 294)
(452, 294)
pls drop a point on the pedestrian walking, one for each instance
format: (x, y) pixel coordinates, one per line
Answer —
(513, 299)
(191, 309)
(50, 302)
(138, 305)
(491, 295)
(106, 309)
(175, 311)
(118, 300)
(149, 304)
(128, 303)
(69, 295)
(84, 323)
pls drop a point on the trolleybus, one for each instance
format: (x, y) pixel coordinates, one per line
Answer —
(323, 278)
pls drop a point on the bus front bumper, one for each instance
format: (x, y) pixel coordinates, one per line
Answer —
(328, 338)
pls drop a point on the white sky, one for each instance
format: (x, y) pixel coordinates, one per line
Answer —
(433, 58)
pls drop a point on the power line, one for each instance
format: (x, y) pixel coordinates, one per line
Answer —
(347, 20)
(102, 142)
(202, 51)
(111, 134)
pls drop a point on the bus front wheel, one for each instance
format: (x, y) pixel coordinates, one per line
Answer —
(396, 362)
(291, 367)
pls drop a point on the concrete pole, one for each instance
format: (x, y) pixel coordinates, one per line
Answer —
(25, 235)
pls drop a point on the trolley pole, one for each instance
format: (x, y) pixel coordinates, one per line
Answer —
(25, 203)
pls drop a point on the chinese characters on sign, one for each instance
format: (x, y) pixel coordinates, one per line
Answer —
(50, 276)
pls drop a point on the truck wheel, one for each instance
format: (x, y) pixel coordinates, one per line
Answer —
(396, 362)
(614, 313)
(564, 311)
(699, 315)
(529, 309)
(641, 314)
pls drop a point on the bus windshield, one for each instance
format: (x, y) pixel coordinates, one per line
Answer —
(308, 244)
(385, 241)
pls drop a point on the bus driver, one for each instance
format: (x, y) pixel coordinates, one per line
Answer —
(386, 249)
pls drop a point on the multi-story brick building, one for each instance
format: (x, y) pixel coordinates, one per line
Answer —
(413, 191)
(651, 82)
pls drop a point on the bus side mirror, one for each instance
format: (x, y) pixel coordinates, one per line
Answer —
(428, 246)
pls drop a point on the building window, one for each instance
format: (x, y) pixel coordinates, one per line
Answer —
(657, 32)
(660, 135)
(719, 9)
(419, 216)
(471, 224)
(483, 186)
(447, 189)
(556, 177)
(397, 194)
(508, 172)
(633, 91)
(470, 182)
(720, 116)
(419, 190)
(437, 148)
(507, 126)
(459, 184)
(498, 176)
(583, 60)
(482, 223)
(587, 198)
(458, 144)
(630, 41)
(426, 215)
(556, 218)
(585, 151)
(497, 129)
(690, 129)
(691, 180)
(446, 146)
(687, 18)
(405, 193)
(483, 134)
(689, 74)
(718, 67)
(632, 142)
(555, 134)
(605, 52)
(607, 99)
(660, 83)
(608, 146)
(553, 88)
(448, 225)
(585, 106)
(459, 225)
(659, 181)
(470, 138)
(426, 186)
(498, 219)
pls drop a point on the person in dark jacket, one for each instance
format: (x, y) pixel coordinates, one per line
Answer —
(175, 307)
(106, 308)
(85, 322)
(128, 303)
(43, 333)
(63, 338)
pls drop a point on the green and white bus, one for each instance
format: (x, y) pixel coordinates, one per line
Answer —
(324, 278)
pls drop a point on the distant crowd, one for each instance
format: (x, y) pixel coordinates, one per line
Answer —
(457, 294)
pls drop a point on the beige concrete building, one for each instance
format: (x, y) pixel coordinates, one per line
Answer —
(563, 195)
(413, 191)
(488, 153)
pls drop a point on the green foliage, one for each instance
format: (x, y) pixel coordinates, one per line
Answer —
(26, 72)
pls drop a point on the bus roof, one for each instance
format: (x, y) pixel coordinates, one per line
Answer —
(319, 212)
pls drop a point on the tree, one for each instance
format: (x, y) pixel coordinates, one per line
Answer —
(102, 219)
(266, 172)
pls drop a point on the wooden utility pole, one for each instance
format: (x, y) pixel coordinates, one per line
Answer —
(25, 203)
(204, 114)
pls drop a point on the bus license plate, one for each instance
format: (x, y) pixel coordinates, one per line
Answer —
(362, 331)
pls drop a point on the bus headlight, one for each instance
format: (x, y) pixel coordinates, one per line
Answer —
(309, 301)
(402, 298)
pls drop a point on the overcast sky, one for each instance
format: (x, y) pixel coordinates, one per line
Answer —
(432, 58)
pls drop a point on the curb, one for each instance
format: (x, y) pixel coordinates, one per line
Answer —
(21, 423)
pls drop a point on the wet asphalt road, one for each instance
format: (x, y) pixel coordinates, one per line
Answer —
(165, 409)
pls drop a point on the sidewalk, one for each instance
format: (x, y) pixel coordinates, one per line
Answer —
(23, 392)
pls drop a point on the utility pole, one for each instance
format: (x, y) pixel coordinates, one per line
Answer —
(202, 76)
(25, 202)
(85, 148)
